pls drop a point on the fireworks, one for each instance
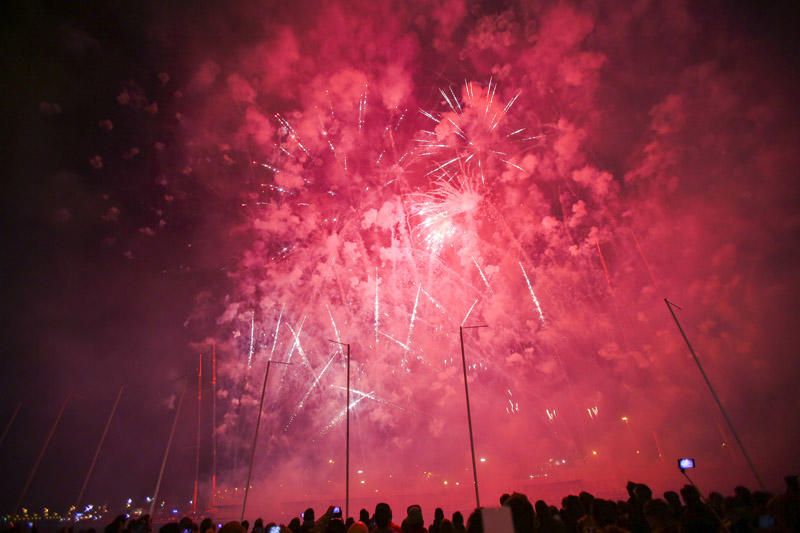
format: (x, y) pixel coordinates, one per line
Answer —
(384, 174)
(533, 294)
(378, 256)
(396, 239)
(251, 351)
(445, 211)
(471, 136)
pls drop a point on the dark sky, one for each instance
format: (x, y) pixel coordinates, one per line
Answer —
(80, 317)
(98, 292)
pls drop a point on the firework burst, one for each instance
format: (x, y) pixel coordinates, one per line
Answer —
(444, 211)
(473, 135)
(390, 238)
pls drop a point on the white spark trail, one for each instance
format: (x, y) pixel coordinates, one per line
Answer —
(322, 372)
(511, 102)
(335, 329)
(443, 165)
(447, 99)
(533, 294)
(483, 276)
(469, 312)
(314, 383)
(513, 165)
(371, 396)
(459, 131)
(438, 306)
(436, 120)
(292, 134)
(404, 346)
(252, 341)
(413, 317)
(489, 97)
(338, 418)
(297, 345)
(277, 329)
(362, 107)
(275, 170)
(494, 122)
(377, 305)
(455, 99)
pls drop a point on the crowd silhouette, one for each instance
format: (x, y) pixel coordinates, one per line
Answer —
(686, 511)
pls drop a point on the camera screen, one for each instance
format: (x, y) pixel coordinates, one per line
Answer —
(685, 463)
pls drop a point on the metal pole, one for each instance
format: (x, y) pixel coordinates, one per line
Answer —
(167, 449)
(10, 423)
(347, 436)
(714, 394)
(99, 446)
(469, 418)
(347, 444)
(197, 442)
(255, 440)
(255, 435)
(213, 425)
(47, 440)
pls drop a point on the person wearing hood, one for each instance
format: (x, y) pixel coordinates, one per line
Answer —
(414, 522)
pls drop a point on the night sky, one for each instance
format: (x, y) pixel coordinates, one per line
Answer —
(154, 203)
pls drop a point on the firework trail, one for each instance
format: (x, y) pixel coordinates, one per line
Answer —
(413, 316)
(251, 351)
(483, 276)
(377, 305)
(297, 346)
(340, 416)
(469, 311)
(533, 294)
(277, 330)
(314, 384)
